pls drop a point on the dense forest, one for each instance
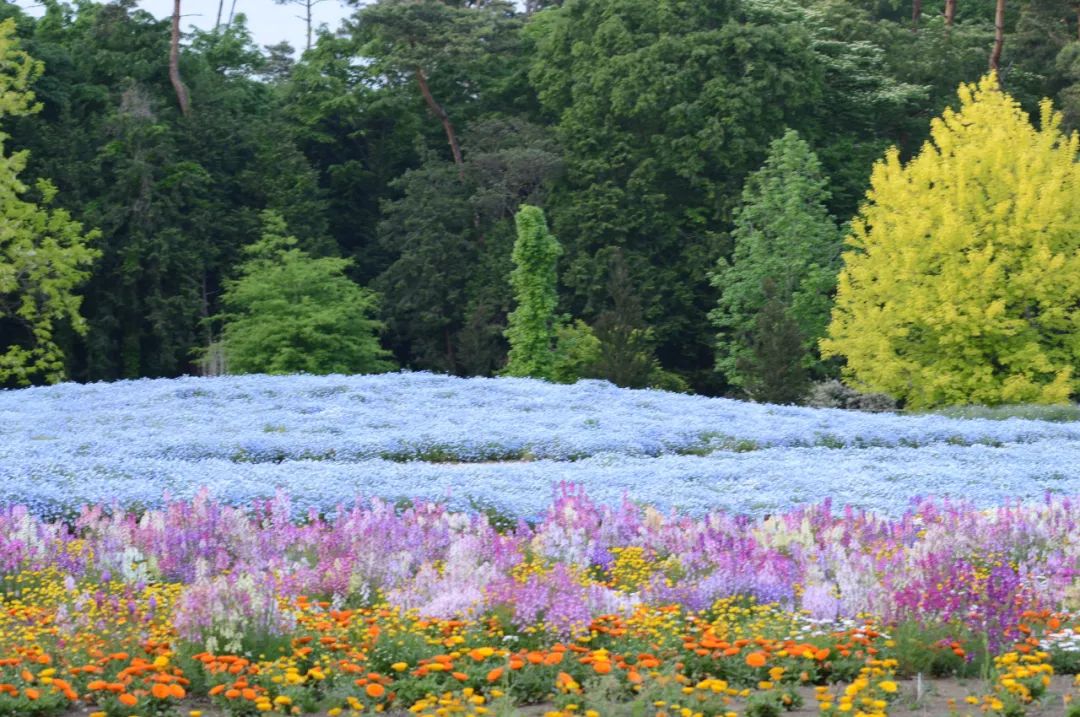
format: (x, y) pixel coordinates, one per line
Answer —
(399, 147)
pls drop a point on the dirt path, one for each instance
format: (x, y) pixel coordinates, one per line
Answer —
(934, 702)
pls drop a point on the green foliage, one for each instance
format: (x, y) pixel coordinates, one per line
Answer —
(532, 327)
(634, 123)
(648, 96)
(944, 297)
(576, 352)
(290, 312)
(1063, 413)
(451, 234)
(786, 244)
(44, 254)
(175, 198)
(772, 370)
(626, 350)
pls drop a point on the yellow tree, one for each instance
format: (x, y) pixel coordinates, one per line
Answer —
(962, 279)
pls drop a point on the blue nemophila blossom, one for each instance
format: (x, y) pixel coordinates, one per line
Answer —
(319, 438)
(431, 417)
(501, 443)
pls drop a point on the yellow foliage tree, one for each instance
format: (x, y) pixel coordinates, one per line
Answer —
(962, 279)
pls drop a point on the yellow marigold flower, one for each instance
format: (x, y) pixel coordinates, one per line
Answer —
(888, 686)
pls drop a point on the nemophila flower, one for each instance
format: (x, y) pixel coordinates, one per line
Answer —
(327, 440)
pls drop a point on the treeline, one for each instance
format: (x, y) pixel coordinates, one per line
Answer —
(402, 145)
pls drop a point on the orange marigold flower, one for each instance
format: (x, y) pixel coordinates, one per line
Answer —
(32, 694)
(375, 690)
(495, 674)
(756, 659)
(129, 700)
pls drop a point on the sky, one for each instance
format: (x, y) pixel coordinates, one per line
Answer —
(269, 22)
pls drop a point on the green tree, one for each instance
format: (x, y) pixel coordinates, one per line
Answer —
(448, 49)
(784, 238)
(625, 353)
(290, 312)
(175, 197)
(772, 369)
(963, 274)
(663, 108)
(451, 234)
(533, 328)
(44, 254)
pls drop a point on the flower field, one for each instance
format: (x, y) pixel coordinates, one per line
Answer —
(501, 443)
(316, 545)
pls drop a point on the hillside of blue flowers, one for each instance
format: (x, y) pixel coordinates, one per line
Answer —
(503, 444)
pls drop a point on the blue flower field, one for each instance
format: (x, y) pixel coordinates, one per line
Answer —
(503, 444)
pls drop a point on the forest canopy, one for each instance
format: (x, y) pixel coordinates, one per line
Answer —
(399, 148)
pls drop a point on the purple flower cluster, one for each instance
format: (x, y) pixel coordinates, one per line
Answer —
(942, 561)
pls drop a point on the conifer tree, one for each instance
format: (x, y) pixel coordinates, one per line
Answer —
(962, 279)
(784, 239)
(291, 312)
(773, 369)
(44, 255)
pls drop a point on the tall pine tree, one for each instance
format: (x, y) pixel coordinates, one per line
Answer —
(784, 238)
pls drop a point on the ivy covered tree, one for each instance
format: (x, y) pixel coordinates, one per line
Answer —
(784, 239)
(290, 312)
(533, 329)
(44, 254)
(962, 277)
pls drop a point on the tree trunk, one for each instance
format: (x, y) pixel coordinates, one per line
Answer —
(999, 35)
(220, 7)
(950, 12)
(232, 11)
(916, 14)
(438, 111)
(308, 5)
(450, 357)
(174, 62)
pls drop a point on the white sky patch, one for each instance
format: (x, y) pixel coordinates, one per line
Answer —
(269, 22)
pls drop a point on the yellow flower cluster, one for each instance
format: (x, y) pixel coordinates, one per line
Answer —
(867, 696)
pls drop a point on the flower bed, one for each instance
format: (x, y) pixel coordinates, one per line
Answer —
(502, 444)
(594, 608)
